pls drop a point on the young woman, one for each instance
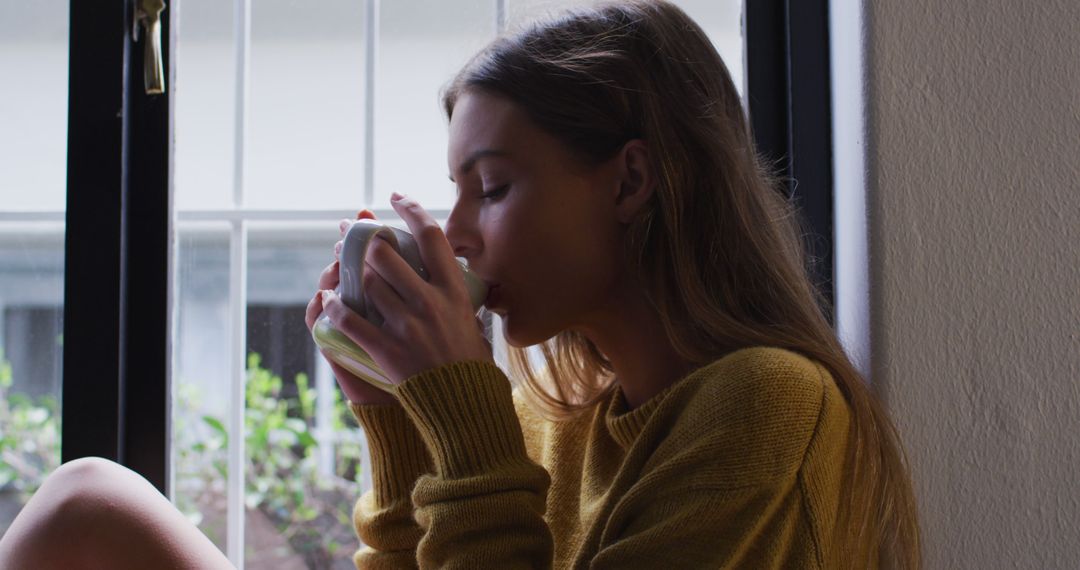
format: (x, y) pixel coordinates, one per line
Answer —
(695, 408)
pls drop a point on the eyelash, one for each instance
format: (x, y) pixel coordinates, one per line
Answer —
(495, 193)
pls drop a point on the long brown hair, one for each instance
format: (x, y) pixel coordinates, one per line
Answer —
(719, 247)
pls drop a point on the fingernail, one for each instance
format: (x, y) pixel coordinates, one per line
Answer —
(337, 247)
(365, 212)
(395, 197)
(327, 297)
(344, 224)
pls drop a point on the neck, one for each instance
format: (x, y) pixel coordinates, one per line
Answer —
(630, 334)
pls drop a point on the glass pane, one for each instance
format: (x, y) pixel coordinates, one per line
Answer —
(721, 20)
(205, 68)
(422, 43)
(33, 105)
(201, 377)
(303, 468)
(33, 154)
(304, 449)
(305, 142)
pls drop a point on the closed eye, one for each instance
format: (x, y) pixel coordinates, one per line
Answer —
(492, 194)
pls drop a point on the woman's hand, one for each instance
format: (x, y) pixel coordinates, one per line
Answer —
(427, 323)
(356, 390)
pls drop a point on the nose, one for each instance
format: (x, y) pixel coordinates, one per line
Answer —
(462, 233)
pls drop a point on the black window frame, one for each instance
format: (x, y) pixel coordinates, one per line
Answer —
(117, 285)
(115, 396)
(789, 95)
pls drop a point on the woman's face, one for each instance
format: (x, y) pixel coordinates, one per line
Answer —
(532, 220)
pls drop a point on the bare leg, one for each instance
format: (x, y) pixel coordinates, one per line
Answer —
(93, 513)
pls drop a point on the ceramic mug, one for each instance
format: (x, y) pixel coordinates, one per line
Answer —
(339, 347)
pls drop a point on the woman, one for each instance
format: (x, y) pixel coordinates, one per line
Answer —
(695, 409)
(704, 413)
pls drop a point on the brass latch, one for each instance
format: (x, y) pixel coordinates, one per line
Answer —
(148, 16)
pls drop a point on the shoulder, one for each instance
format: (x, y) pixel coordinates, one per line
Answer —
(761, 379)
(750, 415)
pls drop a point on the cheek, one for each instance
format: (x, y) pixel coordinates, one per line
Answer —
(561, 277)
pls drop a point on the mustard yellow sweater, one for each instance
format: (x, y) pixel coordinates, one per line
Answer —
(735, 465)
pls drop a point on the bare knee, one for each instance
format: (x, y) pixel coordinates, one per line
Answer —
(51, 530)
(83, 483)
(92, 513)
(89, 499)
(89, 468)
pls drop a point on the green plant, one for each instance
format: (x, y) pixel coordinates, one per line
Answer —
(29, 437)
(311, 509)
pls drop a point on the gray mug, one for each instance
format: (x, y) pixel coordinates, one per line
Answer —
(340, 348)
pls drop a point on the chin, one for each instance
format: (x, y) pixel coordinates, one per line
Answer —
(520, 335)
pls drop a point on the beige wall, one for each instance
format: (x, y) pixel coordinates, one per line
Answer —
(974, 202)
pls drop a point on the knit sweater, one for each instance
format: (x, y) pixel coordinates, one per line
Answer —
(735, 465)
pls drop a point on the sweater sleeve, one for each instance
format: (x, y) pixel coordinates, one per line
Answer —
(383, 516)
(483, 504)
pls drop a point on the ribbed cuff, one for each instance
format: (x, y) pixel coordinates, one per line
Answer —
(398, 454)
(465, 413)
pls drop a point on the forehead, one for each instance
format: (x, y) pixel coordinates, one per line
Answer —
(483, 121)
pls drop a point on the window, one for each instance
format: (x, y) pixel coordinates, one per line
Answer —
(286, 117)
(33, 105)
(286, 121)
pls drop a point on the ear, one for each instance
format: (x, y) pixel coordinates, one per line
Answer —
(636, 179)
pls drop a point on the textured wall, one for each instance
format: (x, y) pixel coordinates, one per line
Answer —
(974, 161)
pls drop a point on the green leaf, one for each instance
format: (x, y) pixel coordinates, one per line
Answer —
(307, 440)
(5, 375)
(218, 427)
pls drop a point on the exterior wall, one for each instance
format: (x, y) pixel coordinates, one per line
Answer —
(974, 205)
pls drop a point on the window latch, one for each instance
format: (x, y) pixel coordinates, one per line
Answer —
(148, 17)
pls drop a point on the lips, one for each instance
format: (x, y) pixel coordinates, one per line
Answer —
(493, 295)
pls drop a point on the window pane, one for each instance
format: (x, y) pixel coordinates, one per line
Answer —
(721, 20)
(305, 143)
(201, 376)
(304, 461)
(33, 105)
(33, 153)
(422, 43)
(303, 450)
(205, 70)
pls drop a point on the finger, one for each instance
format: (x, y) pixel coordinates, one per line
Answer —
(313, 310)
(381, 293)
(352, 325)
(337, 249)
(435, 250)
(395, 272)
(344, 225)
(328, 279)
(356, 390)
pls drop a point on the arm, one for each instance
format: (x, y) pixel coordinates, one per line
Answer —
(483, 504)
(383, 517)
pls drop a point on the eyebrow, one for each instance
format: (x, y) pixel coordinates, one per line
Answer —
(470, 162)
